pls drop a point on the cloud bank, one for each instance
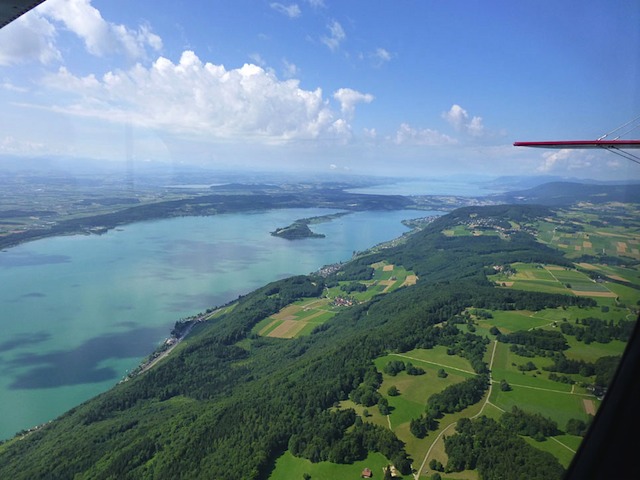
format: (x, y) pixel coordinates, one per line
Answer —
(461, 121)
(192, 97)
(32, 37)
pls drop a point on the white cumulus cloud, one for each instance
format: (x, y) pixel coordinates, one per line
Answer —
(196, 98)
(290, 69)
(348, 99)
(33, 37)
(29, 38)
(461, 121)
(381, 56)
(336, 35)
(407, 134)
(291, 11)
(564, 159)
(100, 37)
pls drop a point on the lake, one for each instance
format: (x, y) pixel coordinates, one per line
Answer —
(79, 311)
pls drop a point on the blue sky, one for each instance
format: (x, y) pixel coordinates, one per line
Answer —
(417, 88)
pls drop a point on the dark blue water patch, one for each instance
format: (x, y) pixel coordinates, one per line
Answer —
(27, 296)
(12, 259)
(22, 340)
(34, 295)
(80, 365)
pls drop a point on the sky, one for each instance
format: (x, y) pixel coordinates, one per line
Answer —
(403, 88)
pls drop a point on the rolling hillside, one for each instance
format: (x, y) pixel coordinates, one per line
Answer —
(229, 402)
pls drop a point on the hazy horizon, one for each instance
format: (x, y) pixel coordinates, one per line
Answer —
(423, 89)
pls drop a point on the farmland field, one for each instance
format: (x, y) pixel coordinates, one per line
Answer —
(530, 386)
(301, 317)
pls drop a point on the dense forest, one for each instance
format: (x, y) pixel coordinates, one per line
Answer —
(229, 402)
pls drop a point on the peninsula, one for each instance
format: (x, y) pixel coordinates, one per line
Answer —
(300, 228)
(296, 231)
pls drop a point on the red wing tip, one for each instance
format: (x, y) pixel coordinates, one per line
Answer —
(581, 144)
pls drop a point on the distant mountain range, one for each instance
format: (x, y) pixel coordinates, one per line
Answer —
(514, 182)
(568, 193)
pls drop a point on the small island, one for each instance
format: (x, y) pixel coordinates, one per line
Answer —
(300, 228)
(296, 231)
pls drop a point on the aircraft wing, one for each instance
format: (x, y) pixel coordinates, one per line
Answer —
(608, 144)
(12, 9)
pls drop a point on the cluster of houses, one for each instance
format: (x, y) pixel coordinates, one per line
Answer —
(367, 473)
(488, 223)
(329, 269)
(343, 302)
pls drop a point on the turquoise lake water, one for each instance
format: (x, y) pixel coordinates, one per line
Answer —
(79, 311)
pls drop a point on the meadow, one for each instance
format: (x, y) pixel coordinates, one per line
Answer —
(303, 316)
(530, 387)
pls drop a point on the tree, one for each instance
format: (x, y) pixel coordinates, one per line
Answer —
(394, 367)
(504, 386)
(393, 391)
(383, 406)
(576, 427)
(387, 473)
(417, 428)
(442, 373)
(413, 370)
(306, 476)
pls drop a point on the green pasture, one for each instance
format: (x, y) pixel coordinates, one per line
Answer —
(274, 324)
(578, 281)
(513, 320)
(435, 357)
(414, 389)
(414, 392)
(314, 311)
(557, 405)
(589, 240)
(458, 230)
(627, 295)
(624, 273)
(532, 277)
(563, 447)
(261, 325)
(380, 274)
(504, 369)
(289, 467)
(594, 350)
(534, 392)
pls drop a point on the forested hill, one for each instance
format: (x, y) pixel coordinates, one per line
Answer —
(227, 403)
(568, 193)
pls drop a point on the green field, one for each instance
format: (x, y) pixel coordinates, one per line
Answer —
(531, 390)
(301, 317)
(579, 232)
(556, 279)
(289, 467)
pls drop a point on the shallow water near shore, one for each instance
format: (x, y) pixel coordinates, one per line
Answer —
(79, 311)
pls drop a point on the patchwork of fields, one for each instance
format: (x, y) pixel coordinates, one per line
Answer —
(301, 317)
(614, 288)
